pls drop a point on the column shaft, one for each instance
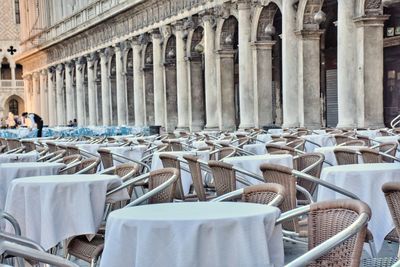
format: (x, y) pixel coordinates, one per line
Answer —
(122, 113)
(44, 112)
(36, 93)
(182, 80)
(91, 91)
(60, 95)
(159, 100)
(105, 90)
(138, 90)
(69, 90)
(80, 95)
(51, 97)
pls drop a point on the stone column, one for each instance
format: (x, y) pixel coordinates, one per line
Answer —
(44, 97)
(60, 94)
(182, 79)
(263, 82)
(138, 90)
(347, 98)
(226, 83)
(91, 89)
(105, 90)
(80, 94)
(289, 66)
(370, 71)
(246, 94)
(122, 113)
(210, 75)
(27, 92)
(159, 100)
(309, 79)
(36, 93)
(51, 97)
(69, 91)
(12, 66)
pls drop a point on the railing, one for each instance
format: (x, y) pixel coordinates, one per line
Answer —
(71, 22)
(18, 84)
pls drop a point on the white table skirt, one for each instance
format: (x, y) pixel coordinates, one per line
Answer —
(25, 157)
(132, 152)
(194, 234)
(11, 171)
(365, 180)
(323, 140)
(186, 177)
(252, 164)
(51, 209)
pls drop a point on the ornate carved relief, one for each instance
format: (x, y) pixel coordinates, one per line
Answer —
(373, 7)
(312, 7)
(170, 51)
(229, 33)
(266, 18)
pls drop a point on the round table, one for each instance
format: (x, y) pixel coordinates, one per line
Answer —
(194, 234)
(53, 208)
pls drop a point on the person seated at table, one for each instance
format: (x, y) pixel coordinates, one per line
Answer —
(35, 119)
(10, 121)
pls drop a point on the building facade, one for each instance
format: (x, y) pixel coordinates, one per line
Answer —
(214, 64)
(11, 82)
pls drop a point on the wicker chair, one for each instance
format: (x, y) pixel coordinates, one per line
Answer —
(282, 175)
(388, 148)
(197, 178)
(173, 145)
(353, 143)
(370, 155)
(345, 156)
(271, 148)
(341, 138)
(366, 139)
(52, 147)
(297, 144)
(29, 145)
(325, 221)
(171, 161)
(88, 166)
(224, 177)
(56, 155)
(310, 163)
(268, 194)
(106, 157)
(73, 150)
(163, 179)
(72, 163)
(13, 143)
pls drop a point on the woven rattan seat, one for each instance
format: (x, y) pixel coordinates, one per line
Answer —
(88, 166)
(345, 156)
(224, 177)
(263, 193)
(13, 143)
(87, 251)
(171, 161)
(370, 155)
(378, 262)
(106, 157)
(271, 148)
(29, 145)
(388, 148)
(341, 138)
(52, 147)
(73, 150)
(195, 171)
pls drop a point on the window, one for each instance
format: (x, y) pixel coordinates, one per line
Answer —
(13, 106)
(17, 12)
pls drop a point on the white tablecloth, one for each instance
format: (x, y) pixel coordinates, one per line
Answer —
(92, 148)
(11, 171)
(323, 140)
(364, 180)
(185, 176)
(330, 155)
(132, 152)
(25, 157)
(257, 149)
(369, 133)
(194, 234)
(264, 138)
(50, 209)
(252, 164)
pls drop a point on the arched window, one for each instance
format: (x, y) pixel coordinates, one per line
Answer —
(17, 12)
(13, 106)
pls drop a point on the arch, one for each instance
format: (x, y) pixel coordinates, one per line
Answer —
(196, 39)
(20, 104)
(229, 31)
(306, 11)
(263, 15)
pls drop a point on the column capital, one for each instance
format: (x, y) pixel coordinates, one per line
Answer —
(60, 67)
(43, 72)
(208, 16)
(104, 53)
(80, 61)
(178, 25)
(69, 65)
(27, 77)
(371, 20)
(36, 75)
(310, 34)
(156, 34)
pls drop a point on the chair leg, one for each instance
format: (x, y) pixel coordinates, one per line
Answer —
(373, 249)
(93, 263)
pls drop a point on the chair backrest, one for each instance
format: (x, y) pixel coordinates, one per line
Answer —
(392, 195)
(224, 177)
(370, 155)
(89, 166)
(345, 156)
(197, 178)
(271, 148)
(354, 143)
(106, 157)
(298, 144)
(73, 150)
(29, 145)
(157, 178)
(58, 154)
(171, 161)
(282, 175)
(325, 220)
(388, 148)
(13, 143)
(226, 152)
(313, 162)
(341, 138)
(52, 147)
(366, 139)
(263, 193)
(126, 170)
(71, 159)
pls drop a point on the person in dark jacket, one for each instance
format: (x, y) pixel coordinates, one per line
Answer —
(35, 119)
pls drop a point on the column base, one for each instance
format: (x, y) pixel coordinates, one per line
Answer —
(290, 125)
(246, 126)
(346, 126)
(313, 126)
(182, 129)
(211, 128)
